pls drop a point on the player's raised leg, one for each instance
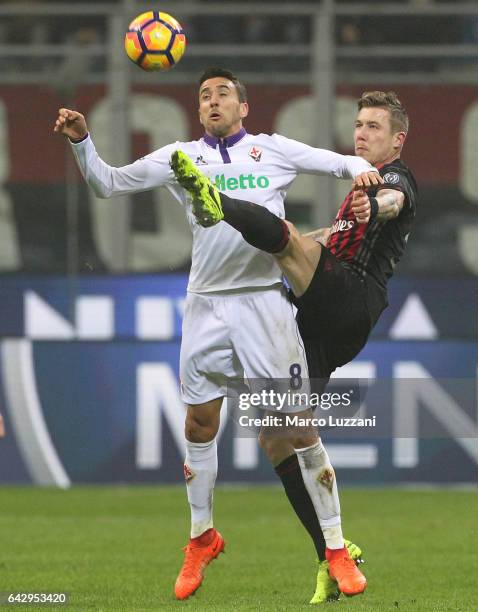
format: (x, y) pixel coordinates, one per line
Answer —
(205, 197)
(297, 255)
(259, 227)
(200, 470)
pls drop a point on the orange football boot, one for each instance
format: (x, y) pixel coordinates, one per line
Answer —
(344, 571)
(197, 555)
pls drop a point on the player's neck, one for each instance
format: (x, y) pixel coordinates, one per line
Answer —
(387, 160)
(231, 137)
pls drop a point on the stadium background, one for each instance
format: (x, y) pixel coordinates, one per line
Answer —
(92, 291)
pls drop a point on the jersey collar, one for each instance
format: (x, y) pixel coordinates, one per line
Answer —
(212, 141)
(380, 166)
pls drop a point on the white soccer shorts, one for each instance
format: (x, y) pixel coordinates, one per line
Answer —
(229, 336)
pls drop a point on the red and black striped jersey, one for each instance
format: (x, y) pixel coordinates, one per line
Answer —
(376, 247)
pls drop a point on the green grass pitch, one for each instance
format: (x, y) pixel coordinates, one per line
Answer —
(118, 548)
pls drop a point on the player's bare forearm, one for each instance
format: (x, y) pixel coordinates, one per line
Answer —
(319, 235)
(2, 427)
(389, 203)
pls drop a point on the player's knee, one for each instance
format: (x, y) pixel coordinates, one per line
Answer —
(263, 441)
(293, 243)
(268, 445)
(275, 447)
(199, 430)
(304, 440)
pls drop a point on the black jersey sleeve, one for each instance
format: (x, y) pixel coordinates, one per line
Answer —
(397, 176)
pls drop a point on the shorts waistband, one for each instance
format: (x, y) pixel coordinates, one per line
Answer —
(242, 291)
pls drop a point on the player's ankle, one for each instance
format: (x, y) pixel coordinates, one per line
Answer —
(334, 553)
(333, 535)
(204, 539)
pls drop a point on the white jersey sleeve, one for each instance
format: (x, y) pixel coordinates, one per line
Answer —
(106, 181)
(257, 168)
(309, 160)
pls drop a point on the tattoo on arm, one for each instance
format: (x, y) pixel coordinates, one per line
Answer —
(320, 235)
(390, 203)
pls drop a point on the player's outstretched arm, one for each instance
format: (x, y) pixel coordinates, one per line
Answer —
(2, 427)
(106, 181)
(71, 124)
(310, 160)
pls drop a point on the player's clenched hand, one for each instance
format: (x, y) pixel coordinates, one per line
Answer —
(367, 179)
(361, 206)
(70, 123)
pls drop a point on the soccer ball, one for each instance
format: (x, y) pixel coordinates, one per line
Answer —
(155, 41)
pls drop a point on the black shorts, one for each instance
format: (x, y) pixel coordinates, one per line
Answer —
(336, 315)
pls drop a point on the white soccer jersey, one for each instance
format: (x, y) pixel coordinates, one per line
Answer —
(258, 168)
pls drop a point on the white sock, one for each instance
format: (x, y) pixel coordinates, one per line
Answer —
(319, 479)
(200, 471)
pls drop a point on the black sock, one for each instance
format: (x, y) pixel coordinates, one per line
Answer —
(291, 476)
(259, 227)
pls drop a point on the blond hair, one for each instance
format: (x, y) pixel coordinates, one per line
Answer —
(388, 100)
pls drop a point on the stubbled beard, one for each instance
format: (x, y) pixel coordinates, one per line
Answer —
(217, 131)
(223, 130)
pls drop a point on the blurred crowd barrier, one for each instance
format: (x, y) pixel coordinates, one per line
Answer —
(304, 64)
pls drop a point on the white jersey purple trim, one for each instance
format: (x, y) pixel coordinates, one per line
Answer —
(223, 143)
(259, 168)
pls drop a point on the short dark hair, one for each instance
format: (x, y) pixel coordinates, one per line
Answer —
(389, 100)
(211, 73)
